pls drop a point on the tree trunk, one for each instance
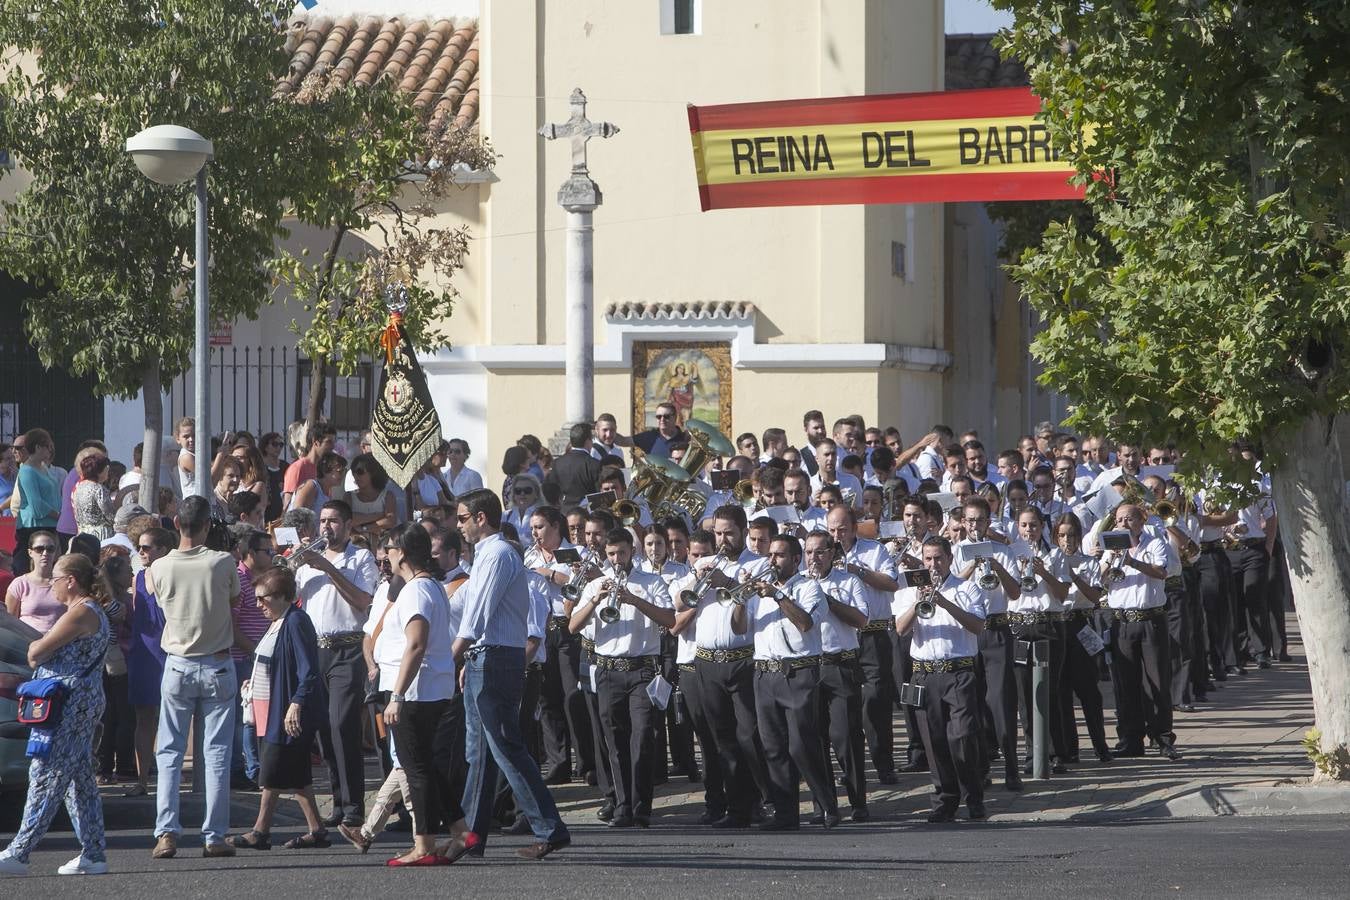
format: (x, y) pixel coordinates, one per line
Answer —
(318, 384)
(1309, 491)
(152, 397)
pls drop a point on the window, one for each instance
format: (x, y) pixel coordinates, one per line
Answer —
(681, 16)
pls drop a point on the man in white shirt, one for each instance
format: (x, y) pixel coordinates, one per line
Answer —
(827, 454)
(840, 674)
(629, 607)
(945, 647)
(784, 614)
(977, 466)
(604, 440)
(813, 424)
(797, 491)
(335, 588)
(1140, 653)
(1129, 458)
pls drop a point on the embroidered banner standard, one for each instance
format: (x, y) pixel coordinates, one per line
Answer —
(951, 146)
(405, 427)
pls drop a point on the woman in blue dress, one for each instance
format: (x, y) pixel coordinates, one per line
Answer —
(145, 657)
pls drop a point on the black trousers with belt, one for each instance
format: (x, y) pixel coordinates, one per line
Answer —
(788, 707)
(875, 656)
(841, 724)
(1251, 614)
(1053, 634)
(998, 689)
(714, 785)
(424, 738)
(727, 692)
(950, 727)
(902, 671)
(1142, 663)
(604, 776)
(563, 711)
(629, 722)
(1080, 680)
(344, 674)
(1182, 615)
(1216, 596)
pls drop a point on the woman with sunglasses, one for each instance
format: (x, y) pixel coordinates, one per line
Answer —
(30, 598)
(373, 508)
(145, 656)
(271, 445)
(456, 473)
(525, 496)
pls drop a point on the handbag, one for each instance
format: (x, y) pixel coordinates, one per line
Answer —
(41, 699)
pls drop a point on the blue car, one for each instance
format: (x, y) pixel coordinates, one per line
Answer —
(15, 636)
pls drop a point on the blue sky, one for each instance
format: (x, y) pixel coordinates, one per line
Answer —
(974, 17)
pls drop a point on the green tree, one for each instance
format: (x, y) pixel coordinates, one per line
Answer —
(1210, 299)
(113, 251)
(378, 171)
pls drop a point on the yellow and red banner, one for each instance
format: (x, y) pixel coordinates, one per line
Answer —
(946, 146)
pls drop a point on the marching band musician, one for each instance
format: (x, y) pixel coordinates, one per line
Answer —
(628, 607)
(598, 525)
(562, 712)
(1216, 583)
(1250, 560)
(724, 666)
(1181, 588)
(1045, 496)
(998, 688)
(872, 564)
(1080, 669)
(656, 560)
(1037, 614)
(945, 649)
(917, 518)
(1141, 663)
(840, 673)
(784, 612)
(797, 491)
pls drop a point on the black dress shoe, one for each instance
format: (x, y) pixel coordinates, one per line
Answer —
(1168, 750)
(1235, 670)
(817, 819)
(694, 775)
(622, 821)
(558, 775)
(333, 819)
(888, 778)
(831, 821)
(1057, 767)
(1104, 755)
(1184, 707)
(941, 816)
(1130, 750)
(779, 825)
(1263, 662)
(606, 811)
(918, 765)
(710, 817)
(977, 812)
(731, 821)
(1285, 657)
(642, 821)
(1013, 782)
(860, 814)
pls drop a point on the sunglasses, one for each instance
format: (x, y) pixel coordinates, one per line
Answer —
(664, 416)
(145, 548)
(462, 519)
(43, 548)
(523, 491)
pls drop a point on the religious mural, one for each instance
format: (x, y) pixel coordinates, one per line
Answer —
(694, 377)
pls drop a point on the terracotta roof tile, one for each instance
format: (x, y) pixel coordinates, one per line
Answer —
(973, 62)
(436, 61)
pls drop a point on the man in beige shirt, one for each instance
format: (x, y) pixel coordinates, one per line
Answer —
(195, 587)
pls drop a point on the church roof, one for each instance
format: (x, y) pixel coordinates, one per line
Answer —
(631, 311)
(434, 60)
(973, 62)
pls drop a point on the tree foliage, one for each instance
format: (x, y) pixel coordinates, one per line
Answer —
(1208, 295)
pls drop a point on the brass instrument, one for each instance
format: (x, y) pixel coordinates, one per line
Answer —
(744, 492)
(738, 595)
(1027, 581)
(572, 590)
(1114, 572)
(988, 578)
(690, 596)
(293, 559)
(1168, 511)
(894, 493)
(609, 613)
(1232, 536)
(925, 607)
(626, 511)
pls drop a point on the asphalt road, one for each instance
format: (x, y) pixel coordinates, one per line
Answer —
(1230, 857)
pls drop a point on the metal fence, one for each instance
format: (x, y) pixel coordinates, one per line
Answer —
(262, 389)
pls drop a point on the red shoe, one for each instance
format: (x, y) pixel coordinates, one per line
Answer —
(431, 859)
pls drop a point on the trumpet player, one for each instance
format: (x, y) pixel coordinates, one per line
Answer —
(1080, 668)
(1038, 615)
(784, 615)
(841, 676)
(670, 731)
(1254, 534)
(626, 608)
(946, 649)
(993, 577)
(797, 491)
(1140, 655)
(918, 526)
(873, 566)
(1216, 584)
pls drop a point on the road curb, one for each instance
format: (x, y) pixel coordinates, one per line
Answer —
(1285, 799)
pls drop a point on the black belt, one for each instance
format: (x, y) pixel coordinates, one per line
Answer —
(534, 667)
(838, 659)
(783, 666)
(1034, 617)
(955, 664)
(1211, 546)
(1139, 615)
(340, 639)
(625, 663)
(685, 667)
(722, 656)
(996, 620)
(1253, 542)
(558, 623)
(877, 625)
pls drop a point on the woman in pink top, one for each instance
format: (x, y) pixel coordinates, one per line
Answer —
(30, 597)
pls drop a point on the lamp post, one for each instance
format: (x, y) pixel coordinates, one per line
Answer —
(171, 154)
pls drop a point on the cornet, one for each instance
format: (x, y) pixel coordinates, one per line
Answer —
(738, 595)
(609, 613)
(1028, 580)
(572, 590)
(293, 560)
(925, 608)
(1232, 536)
(988, 579)
(1114, 573)
(691, 595)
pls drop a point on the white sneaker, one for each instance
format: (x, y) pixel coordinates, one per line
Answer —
(10, 866)
(81, 866)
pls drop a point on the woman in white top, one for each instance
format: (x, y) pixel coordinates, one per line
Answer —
(526, 494)
(1080, 666)
(458, 476)
(417, 666)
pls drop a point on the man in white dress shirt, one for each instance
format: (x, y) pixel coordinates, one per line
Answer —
(629, 607)
(336, 588)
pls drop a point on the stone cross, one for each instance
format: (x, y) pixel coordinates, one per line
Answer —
(580, 130)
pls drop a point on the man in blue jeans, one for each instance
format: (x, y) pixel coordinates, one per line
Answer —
(491, 646)
(196, 588)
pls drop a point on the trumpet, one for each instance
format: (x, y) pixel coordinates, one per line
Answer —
(609, 613)
(691, 595)
(626, 511)
(1028, 580)
(925, 608)
(572, 590)
(1114, 573)
(293, 560)
(1232, 536)
(738, 595)
(988, 578)
(1167, 511)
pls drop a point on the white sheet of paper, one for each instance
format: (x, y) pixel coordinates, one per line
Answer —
(286, 537)
(891, 530)
(946, 499)
(658, 689)
(1091, 640)
(782, 514)
(980, 550)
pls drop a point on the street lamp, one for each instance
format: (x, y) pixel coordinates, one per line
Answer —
(171, 154)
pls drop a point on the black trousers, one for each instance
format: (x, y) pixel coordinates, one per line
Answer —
(604, 775)
(344, 673)
(1080, 680)
(629, 722)
(1053, 634)
(117, 746)
(564, 713)
(876, 658)
(1198, 670)
(1142, 664)
(950, 726)
(714, 785)
(1279, 595)
(1181, 616)
(841, 722)
(727, 693)
(788, 707)
(1251, 615)
(1216, 596)
(506, 808)
(998, 689)
(420, 738)
(902, 671)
